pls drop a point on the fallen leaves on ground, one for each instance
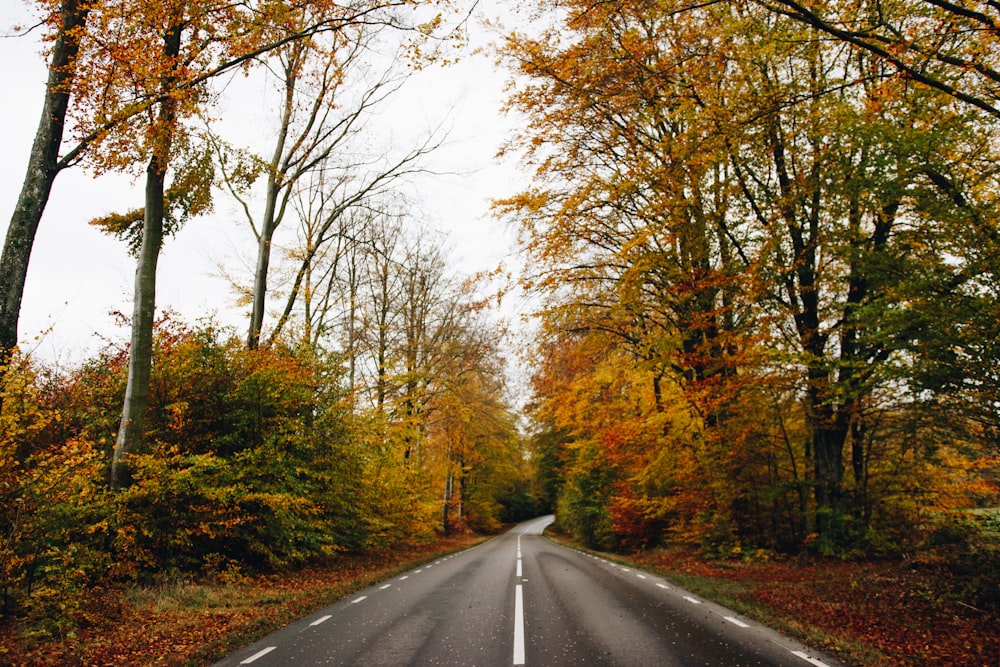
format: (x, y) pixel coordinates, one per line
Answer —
(872, 613)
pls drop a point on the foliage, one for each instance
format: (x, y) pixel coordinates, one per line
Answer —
(252, 460)
(766, 263)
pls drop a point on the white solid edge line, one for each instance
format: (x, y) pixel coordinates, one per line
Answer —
(518, 626)
(814, 661)
(322, 619)
(736, 621)
(258, 654)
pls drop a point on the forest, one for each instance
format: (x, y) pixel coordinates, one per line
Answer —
(759, 244)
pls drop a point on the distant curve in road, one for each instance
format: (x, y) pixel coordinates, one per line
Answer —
(520, 599)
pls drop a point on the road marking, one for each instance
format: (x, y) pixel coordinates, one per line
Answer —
(641, 576)
(736, 621)
(418, 571)
(664, 586)
(692, 600)
(518, 626)
(323, 619)
(357, 600)
(519, 567)
(814, 661)
(404, 577)
(384, 586)
(258, 654)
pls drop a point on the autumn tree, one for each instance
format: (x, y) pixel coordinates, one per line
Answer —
(51, 154)
(949, 47)
(726, 193)
(198, 42)
(68, 21)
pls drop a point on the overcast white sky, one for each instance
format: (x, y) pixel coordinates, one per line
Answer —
(78, 276)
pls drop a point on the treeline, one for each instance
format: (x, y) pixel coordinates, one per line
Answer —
(252, 460)
(769, 261)
(365, 404)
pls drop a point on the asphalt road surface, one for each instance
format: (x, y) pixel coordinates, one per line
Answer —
(520, 599)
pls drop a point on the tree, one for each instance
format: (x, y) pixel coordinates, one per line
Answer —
(199, 40)
(49, 156)
(725, 193)
(43, 165)
(947, 46)
(320, 117)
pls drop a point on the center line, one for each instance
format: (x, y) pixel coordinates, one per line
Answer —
(518, 626)
(519, 567)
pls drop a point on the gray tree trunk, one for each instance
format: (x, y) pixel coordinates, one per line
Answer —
(140, 358)
(43, 165)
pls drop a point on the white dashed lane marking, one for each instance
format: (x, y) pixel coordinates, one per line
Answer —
(732, 619)
(257, 655)
(807, 658)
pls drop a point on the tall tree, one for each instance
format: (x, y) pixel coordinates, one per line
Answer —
(200, 39)
(50, 154)
(69, 23)
(717, 186)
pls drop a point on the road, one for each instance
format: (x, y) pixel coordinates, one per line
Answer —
(520, 599)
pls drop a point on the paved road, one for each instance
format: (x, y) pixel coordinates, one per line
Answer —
(520, 599)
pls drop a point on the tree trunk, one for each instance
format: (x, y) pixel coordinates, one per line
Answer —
(260, 276)
(140, 358)
(40, 174)
(271, 220)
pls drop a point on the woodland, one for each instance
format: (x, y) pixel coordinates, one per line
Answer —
(760, 242)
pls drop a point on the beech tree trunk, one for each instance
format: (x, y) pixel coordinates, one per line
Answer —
(140, 358)
(43, 166)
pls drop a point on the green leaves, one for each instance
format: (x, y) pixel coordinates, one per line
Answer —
(189, 195)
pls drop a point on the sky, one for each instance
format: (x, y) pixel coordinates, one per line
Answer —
(79, 277)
